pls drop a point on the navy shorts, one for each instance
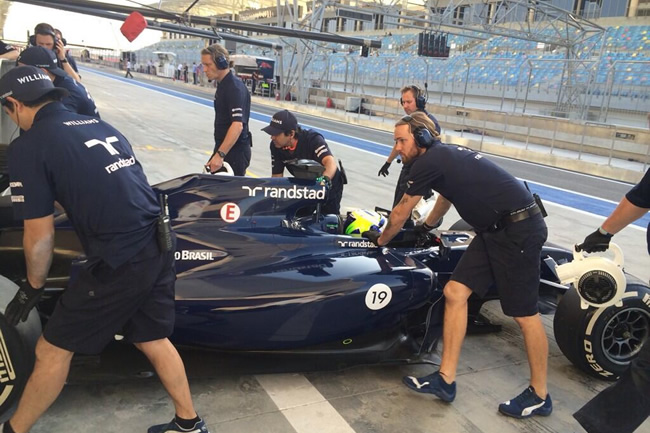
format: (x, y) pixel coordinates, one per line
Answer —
(135, 300)
(510, 259)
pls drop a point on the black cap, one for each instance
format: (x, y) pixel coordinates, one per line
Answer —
(282, 121)
(27, 84)
(41, 57)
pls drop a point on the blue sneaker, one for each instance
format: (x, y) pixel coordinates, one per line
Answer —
(432, 384)
(527, 404)
(172, 427)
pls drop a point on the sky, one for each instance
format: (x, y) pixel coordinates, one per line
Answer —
(76, 28)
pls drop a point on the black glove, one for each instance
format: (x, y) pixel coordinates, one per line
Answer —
(20, 306)
(423, 228)
(595, 242)
(372, 236)
(383, 171)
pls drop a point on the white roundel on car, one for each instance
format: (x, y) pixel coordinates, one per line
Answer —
(378, 296)
(230, 212)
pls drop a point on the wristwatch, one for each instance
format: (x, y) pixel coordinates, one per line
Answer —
(221, 154)
(63, 60)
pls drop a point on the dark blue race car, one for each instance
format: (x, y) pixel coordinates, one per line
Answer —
(260, 269)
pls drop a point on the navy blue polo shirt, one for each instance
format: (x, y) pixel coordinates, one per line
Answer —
(79, 99)
(232, 103)
(89, 168)
(433, 119)
(4, 48)
(481, 191)
(311, 145)
(640, 196)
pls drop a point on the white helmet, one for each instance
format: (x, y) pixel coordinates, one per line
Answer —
(600, 282)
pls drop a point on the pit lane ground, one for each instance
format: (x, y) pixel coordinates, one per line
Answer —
(172, 136)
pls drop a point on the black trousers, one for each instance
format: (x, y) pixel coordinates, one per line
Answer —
(334, 195)
(239, 158)
(624, 406)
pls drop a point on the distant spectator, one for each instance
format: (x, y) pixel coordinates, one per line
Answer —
(149, 66)
(185, 72)
(194, 76)
(255, 78)
(201, 74)
(8, 52)
(44, 36)
(179, 71)
(128, 69)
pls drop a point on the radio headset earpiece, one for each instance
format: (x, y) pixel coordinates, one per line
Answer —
(423, 137)
(420, 100)
(219, 59)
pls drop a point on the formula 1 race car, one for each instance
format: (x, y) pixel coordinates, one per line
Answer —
(260, 269)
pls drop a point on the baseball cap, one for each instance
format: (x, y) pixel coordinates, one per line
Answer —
(282, 121)
(27, 84)
(41, 57)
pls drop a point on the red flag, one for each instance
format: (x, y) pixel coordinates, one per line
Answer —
(133, 25)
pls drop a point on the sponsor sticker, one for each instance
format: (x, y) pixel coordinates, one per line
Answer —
(230, 212)
(378, 296)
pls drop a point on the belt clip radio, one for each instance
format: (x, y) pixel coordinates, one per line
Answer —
(538, 200)
(165, 242)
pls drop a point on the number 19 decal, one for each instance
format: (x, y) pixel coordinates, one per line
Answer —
(378, 296)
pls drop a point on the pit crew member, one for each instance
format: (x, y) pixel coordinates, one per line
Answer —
(127, 285)
(232, 106)
(45, 36)
(412, 100)
(78, 99)
(510, 233)
(289, 141)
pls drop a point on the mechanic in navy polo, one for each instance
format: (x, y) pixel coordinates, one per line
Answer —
(510, 233)
(232, 106)
(78, 100)
(127, 284)
(289, 141)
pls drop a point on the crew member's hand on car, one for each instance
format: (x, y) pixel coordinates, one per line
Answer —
(325, 180)
(597, 241)
(20, 306)
(383, 171)
(372, 236)
(214, 164)
(423, 228)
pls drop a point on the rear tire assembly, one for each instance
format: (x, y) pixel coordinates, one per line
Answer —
(16, 352)
(603, 341)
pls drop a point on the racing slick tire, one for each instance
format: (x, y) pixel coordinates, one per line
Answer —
(16, 352)
(602, 341)
(461, 226)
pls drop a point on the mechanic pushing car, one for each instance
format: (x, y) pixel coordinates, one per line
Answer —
(232, 107)
(127, 284)
(510, 233)
(624, 406)
(290, 142)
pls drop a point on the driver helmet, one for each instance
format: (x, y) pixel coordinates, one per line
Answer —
(361, 220)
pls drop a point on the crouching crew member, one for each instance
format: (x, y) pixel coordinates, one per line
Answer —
(510, 233)
(289, 141)
(127, 285)
(78, 99)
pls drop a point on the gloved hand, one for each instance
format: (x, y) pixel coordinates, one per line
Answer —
(383, 171)
(20, 306)
(596, 241)
(325, 180)
(423, 228)
(372, 236)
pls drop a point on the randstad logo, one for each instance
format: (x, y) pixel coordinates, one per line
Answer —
(287, 192)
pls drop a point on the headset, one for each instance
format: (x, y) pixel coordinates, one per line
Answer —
(420, 100)
(219, 59)
(32, 38)
(423, 137)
